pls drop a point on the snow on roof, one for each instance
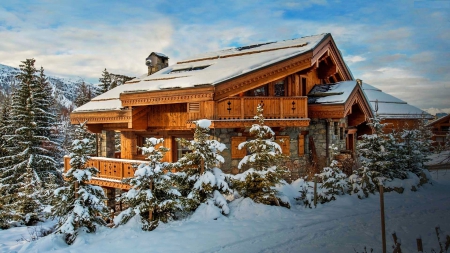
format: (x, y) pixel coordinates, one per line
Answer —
(222, 65)
(102, 105)
(390, 106)
(160, 55)
(336, 93)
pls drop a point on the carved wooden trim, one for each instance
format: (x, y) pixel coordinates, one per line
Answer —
(326, 111)
(259, 77)
(167, 97)
(106, 183)
(248, 123)
(99, 117)
(357, 97)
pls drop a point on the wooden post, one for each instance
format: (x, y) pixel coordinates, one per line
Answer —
(315, 190)
(150, 212)
(202, 166)
(419, 245)
(397, 245)
(76, 189)
(383, 229)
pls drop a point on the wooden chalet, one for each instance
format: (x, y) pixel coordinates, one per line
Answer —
(440, 128)
(307, 91)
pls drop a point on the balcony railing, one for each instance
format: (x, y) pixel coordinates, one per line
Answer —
(274, 107)
(112, 170)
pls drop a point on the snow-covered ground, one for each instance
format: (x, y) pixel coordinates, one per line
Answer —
(345, 225)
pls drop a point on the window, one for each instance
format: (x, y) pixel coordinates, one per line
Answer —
(260, 91)
(279, 89)
(336, 128)
(304, 86)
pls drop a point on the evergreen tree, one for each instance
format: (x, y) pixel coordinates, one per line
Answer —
(334, 183)
(79, 205)
(152, 195)
(201, 181)
(117, 80)
(264, 163)
(5, 128)
(105, 81)
(30, 148)
(377, 154)
(84, 95)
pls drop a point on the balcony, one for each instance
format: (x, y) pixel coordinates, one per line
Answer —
(274, 107)
(112, 171)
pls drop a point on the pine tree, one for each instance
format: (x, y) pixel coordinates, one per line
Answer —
(105, 81)
(152, 195)
(264, 163)
(31, 150)
(79, 205)
(84, 95)
(201, 181)
(334, 183)
(379, 153)
(5, 128)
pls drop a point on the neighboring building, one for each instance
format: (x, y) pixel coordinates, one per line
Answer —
(308, 93)
(440, 128)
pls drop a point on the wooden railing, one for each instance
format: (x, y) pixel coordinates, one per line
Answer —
(274, 107)
(112, 170)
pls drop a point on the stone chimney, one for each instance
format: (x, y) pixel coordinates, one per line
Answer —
(155, 62)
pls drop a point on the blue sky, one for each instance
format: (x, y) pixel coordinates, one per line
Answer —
(399, 46)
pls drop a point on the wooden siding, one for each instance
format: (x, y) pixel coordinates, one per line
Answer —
(285, 144)
(235, 152)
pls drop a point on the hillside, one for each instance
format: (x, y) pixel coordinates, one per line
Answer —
(64, 89)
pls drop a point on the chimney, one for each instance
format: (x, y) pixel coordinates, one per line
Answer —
(155, 62)
(359, 81)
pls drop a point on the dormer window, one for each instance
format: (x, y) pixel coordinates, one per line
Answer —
(174, 71)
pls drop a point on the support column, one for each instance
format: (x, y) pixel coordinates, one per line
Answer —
(110, 197)
(107, 144)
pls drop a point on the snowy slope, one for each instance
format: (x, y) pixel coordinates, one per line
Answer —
(64, 89)
(345, 225)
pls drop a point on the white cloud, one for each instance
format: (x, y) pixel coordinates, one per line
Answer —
(353, 58)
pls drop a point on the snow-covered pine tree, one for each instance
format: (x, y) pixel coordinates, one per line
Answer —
(334, 183)
(105, 81)
(27, 144)
(79, 205)
(378, 153)
(5, 128)
(152, 195)
(45, 119)
(264, 163)
(200, 180)
(84, 95)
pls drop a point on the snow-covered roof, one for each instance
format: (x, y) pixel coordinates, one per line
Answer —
(160, 55)
(388, 105)
(444, 118)
(214, 68)
(335, 93)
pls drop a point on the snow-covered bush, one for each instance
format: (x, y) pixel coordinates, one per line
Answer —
(361, 183)
(333, 182)
(152, 195)
(200, 180)
(264, 163)
(79, 205)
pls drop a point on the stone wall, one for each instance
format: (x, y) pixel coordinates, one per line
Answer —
(318, 130)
